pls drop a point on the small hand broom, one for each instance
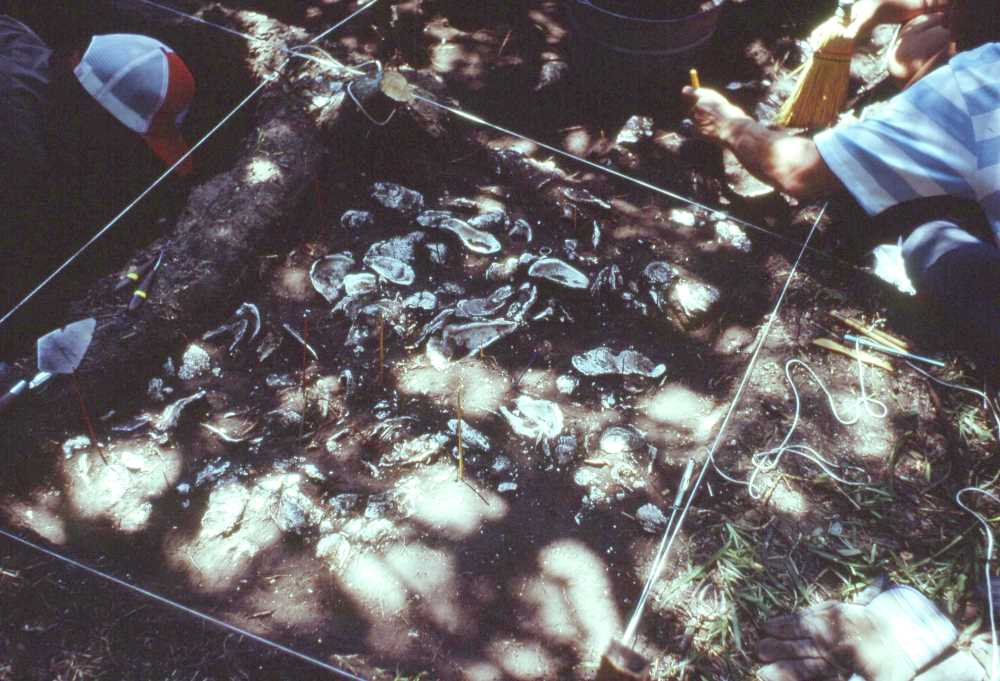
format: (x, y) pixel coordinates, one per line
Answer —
(822, 87)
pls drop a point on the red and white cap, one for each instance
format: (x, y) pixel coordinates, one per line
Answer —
(145, 85)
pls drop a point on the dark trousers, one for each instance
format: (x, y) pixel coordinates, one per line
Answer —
(956, 270)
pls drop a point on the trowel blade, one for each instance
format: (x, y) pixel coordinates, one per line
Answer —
(62, 350)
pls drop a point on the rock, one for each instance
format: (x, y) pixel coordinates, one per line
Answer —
(402, 248)
(212, 471)
(391, 269)
(438, 253)
(195, 362)
(432, 218)
(557, 271)
(603, 362)
(360, 284)
(171, 415)
(527, 296)
(502, 464)
(470, 436)
(621, 440)
(75, 444)
(327, 275)
(464, 340)
(157, 390)
(357, 220)
(423, 300)
(397, 198)
(730, 234)
(636, 129)
(565, 449)
(282, 421)
(683, 217)
(567, 384)
(474, 240)
(552, 73)
(521, 231)
(585, 197)
(693, 300)
(651, 518)
(489, 221)
(484, 307)
(421, 449)
(659, 274)
(535, 419)
(608, 280)
(503, 270)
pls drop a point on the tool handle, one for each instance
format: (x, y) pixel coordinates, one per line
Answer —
(141, 293)
(695, 79)
(11, 396)
(126, 279)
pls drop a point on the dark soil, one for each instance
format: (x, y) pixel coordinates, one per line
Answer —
(330, 524)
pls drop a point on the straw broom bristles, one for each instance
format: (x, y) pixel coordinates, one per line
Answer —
(822, 88)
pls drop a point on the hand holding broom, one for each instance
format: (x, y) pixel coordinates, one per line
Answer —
(822, 88)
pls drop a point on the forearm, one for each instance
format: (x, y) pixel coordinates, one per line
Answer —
(789, 163)
(867, 14)
(899, 11)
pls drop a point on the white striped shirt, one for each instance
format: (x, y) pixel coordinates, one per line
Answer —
(940, 137)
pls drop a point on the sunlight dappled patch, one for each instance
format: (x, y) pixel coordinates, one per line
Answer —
(523, 660)
(262, 170)
(123, 489)
(41, 515)
(483, 387)
(690, 419)
(572, 599)
(239, 523)
(455, 509)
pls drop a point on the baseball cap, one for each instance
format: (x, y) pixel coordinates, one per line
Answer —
(145, 85)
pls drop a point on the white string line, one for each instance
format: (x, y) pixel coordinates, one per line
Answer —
(248, 36)
(136, 200)
(715, 212)
(180, 606)
(330, 61)
(765, 461)
(654, 574)
(995, 657)
(681, 490)
(267, 80)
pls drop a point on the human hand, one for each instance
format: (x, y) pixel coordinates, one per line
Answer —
(865, 16)
(890, 639)
(712, 113)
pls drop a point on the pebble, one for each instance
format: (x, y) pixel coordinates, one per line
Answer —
(535, 419)
(357, 220)
(555, 270)
(327, 275)
(651, 518)
(567, 384)
(195, 362)
(398, 198)
(636, 129)
(603, 362)
(732, 235)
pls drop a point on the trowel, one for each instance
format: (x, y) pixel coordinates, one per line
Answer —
(59, 352)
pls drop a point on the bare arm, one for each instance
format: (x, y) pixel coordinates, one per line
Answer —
(867, 14)
(788, 163)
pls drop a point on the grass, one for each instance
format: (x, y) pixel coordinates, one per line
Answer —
(756, 574)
